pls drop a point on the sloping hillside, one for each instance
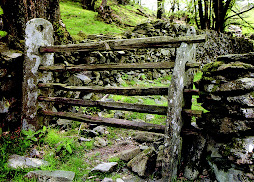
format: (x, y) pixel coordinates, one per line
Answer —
(77, 19)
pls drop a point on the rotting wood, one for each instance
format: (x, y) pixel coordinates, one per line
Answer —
(124, 44)
(107, 121)
(129, 91)
(103, 67)
(152, 109)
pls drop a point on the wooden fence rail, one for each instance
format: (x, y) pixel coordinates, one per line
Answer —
(125, 44)
(102, 67)
(128, 91)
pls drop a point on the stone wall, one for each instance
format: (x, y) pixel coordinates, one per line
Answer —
(10, 88)
(216, 44)
(227, 89)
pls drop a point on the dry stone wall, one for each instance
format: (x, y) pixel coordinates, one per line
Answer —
(228, 93)
(10, 88)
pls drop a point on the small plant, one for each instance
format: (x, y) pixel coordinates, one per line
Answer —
(63, 147)
(89, 145)
(35, 136)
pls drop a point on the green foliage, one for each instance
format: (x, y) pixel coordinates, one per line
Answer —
(12, 143)
(198, 76)
(35, 136)
(3, 33)
(1, 11)
(89, 144)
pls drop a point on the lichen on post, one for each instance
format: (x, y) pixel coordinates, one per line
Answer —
(38, 32)
(174, 122)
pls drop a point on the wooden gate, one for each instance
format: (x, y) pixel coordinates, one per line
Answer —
(38, 82)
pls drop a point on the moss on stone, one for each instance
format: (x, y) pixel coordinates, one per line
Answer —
(252, 94)
(61, 35)
(211, 67)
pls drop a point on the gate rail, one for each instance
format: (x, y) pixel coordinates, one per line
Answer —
(38, 85)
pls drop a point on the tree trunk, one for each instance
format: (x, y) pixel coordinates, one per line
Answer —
(88, 4)
(201, 16)
(17, 13)
(160, 8)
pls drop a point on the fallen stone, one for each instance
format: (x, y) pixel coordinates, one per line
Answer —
(144, 163)
(105, 167)
(231, 174)
(64, 123)
(53, 176)
(147, 136)
(119, 180)
(100, 142)
(127, 155)
(82, 139)
(149, 117)
(107, 180)
(16, 161)
(100, 129)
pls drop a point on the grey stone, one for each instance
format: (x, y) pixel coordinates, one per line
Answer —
(127, 155)
(149, 117)
(64, 123)
(144, 163)
(82, 139)
(100, 142)
(231, 175)
(100, 129)
(52, 176)
(105, 167)
(160, 156)
(190, 173)
(142, 136)
(247, 112)
(10, 54)
(119, 180)
(107, 180)
(84, 78)
(87, 96)
(239, 84)
(245, 100)
(17, 161)
(4, 105)
(119, 115)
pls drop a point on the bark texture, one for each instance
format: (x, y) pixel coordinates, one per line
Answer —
(17, 13)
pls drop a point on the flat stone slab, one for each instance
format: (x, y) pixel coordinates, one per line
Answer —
(127, 155)
(16, 161)
(52, 176)
(105, 167)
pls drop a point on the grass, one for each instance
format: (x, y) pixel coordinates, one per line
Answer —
(77, 19)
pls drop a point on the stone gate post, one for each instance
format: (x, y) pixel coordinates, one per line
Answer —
(38, 32)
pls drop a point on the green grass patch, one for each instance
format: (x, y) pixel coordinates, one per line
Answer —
(77, 19)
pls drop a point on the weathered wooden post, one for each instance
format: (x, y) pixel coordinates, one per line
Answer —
(38, 32)
(173, 140)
